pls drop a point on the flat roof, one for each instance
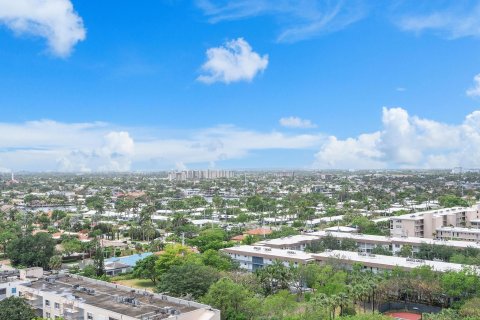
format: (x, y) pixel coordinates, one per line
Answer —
(386, 262)
(297, 239)
(106, 296)
(437, 212)
(405, 240)
(459, 229)
(341, 229)
(270, 253)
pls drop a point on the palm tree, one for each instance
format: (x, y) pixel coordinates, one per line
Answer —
(344, 300)
(335, 301)
(323, 301)
(372, 285)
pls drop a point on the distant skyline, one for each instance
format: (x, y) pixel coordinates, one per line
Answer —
(173, 84)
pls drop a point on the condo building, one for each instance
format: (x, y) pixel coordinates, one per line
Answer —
(74, 297)
(376, 263)
(200, 175)
(252, 258)
(366, 243)
(426, 224)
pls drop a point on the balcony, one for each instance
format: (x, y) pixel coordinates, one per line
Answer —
(35, 301)
(72, 313)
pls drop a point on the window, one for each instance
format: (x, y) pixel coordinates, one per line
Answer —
(57, 305)
(47, 303)
(89, 316)
(3, 291)
(14, 290)
(47, 315)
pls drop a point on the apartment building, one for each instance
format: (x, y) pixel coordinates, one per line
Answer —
(73, 297)
(199, 175)
(376, 263)
(9, 280)
(425, 224)
(366, 243)
(252, 258)
(297, 242)
(453, 233)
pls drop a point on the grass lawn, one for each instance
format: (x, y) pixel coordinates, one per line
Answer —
(137, 283)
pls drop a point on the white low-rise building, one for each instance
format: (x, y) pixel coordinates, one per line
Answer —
(73, 297)
(377, 263)
(252, 258)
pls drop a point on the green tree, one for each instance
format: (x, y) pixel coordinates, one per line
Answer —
(233, 300)
(71, 245)
(14, 308)
(174, 255)
(210, 239)
(99, 261)
(274, 277)
(32, 251)
(406, 251)
(470, 308)
(218, 260)
(451, 200)
(461, 284)
(146, 268)
(279, 305)
(188, 279)
(55, 262)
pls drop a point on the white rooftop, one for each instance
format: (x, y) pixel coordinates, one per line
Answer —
(272, 253)
(388, 262)
(288, 240)
(459, 229)
(341, 229)
(410, 240)
(436, 212)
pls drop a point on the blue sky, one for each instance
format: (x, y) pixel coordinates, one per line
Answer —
(159, 85)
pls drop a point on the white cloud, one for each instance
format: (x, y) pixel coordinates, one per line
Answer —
(234, 61)
(453, 22)
(406, 141)
(296, 122)
(403, 141)
(54, 20)
(88, 147)
(219, 143)
(475, 90)
(299, 20)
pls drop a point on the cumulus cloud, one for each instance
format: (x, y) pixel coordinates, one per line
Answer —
(114, 152)
(47, 145)
(296, 122)
(475, 90)
(406, 141)
(54, 20)
(234, 61)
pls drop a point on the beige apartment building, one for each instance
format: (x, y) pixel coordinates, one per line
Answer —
(456, 233)
(428, 223)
